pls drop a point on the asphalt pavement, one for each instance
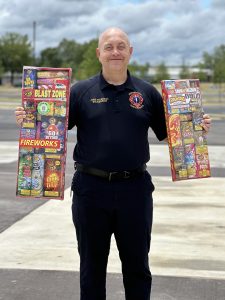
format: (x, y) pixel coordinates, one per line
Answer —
(39, 258)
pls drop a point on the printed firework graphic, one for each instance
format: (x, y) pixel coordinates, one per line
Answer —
(187, 142)
(43, 134)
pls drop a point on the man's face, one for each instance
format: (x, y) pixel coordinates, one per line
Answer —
(114, 51)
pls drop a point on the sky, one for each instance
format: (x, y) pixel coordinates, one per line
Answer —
(169, 31)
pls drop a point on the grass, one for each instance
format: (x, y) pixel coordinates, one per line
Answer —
(8, 88)
(10, 95)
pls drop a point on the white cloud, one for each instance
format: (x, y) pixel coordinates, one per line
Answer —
(168, 30)
(218, 4)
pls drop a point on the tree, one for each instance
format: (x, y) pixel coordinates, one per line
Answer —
(139, 70)
(90, 64)
(15, 52)
(1, 72)
(219, 64)
(208, 61)
(184, 72)
(216, 63)
(161, 73)
(68, 53)
(202, 74)
(72, 54)
(49, 57)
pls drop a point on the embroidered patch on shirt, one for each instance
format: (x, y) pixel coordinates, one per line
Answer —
(136, 100)
(99, 100)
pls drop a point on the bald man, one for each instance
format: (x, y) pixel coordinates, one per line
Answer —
(112, 189)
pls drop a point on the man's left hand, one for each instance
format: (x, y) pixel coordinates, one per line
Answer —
(206, 124)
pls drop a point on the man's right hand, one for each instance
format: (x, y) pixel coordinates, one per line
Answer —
(20, 115)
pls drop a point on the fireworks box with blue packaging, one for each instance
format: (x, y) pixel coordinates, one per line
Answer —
(187, 141)
(43, 133)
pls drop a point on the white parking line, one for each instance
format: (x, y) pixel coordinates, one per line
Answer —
(8, 152)
(159, 155)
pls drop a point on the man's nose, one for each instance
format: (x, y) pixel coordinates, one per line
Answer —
(115, 51)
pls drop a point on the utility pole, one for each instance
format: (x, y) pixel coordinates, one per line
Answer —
(34, 42)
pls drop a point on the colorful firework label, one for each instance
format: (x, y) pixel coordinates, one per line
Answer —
(53, 176)
(37, 175)
(186, 139)
(24, 173)
(43, 134)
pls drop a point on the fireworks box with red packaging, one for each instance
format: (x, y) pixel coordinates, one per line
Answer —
(187, 141)
(43, 133)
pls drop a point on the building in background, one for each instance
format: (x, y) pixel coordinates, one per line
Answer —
(175, 71)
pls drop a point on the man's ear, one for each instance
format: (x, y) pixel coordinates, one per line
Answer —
(131, 50)
(97, 52)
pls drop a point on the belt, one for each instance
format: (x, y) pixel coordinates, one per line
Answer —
(110, 175)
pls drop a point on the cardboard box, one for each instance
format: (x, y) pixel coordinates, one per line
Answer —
(43, 133)
(187, 141)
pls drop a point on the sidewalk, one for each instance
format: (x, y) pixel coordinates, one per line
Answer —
(187, 245)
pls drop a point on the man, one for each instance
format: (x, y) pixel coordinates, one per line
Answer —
(112, 189)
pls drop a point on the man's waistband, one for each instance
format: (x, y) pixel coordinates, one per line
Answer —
(110, 176)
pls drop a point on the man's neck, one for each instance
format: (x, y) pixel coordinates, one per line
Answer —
(115, 78)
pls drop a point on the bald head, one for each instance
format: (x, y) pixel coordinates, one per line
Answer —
(114, 52)
(110, 32)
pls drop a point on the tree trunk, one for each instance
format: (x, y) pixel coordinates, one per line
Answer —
(12, 78)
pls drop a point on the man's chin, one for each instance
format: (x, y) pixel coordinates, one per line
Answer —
(117, 66)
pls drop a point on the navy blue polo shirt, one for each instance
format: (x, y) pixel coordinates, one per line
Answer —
(113, 121)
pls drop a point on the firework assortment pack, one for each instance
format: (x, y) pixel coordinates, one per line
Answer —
(186, 139)
(43, 134)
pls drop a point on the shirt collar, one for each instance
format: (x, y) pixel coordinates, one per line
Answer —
(127, 85)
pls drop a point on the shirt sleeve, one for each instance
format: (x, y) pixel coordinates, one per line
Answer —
(158, 123)
(74, 107)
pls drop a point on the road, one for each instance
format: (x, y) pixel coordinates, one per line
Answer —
(37, 242)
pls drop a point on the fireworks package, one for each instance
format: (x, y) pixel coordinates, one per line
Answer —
(43, 133)
(186, 138)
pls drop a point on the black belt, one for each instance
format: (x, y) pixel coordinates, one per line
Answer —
(110, 175)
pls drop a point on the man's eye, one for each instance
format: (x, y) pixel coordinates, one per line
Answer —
(122, 47)
(108, 48)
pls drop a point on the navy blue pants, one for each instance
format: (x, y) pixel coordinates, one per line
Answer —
(101, 208)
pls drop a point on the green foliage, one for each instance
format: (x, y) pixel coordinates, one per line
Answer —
(216, 63)
(68, 53)
(161, 73)
(71, 53)
(80, 57)
(207, 61)
(90, 64)
(1, 69)
(201, 75)
(219, 64)
(184, 72)
(138, 70)
(15, 52)
(50, 58)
